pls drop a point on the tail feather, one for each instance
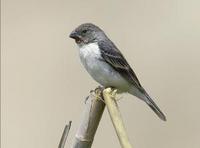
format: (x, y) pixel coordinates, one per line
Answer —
(143, 95)
(154, 107)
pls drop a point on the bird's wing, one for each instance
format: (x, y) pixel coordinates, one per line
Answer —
(114, 57)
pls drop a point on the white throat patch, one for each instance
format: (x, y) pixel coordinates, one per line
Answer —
(90, 51)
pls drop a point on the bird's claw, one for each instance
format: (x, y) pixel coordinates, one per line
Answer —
(97, 93)
(113, 93)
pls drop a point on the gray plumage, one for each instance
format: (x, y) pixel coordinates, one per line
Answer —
(106, 64)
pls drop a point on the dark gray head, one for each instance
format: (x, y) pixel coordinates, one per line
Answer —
(87, 33)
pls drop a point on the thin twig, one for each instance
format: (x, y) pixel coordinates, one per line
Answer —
(64, 135)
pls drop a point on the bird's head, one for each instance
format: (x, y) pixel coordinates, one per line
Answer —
(87, 33)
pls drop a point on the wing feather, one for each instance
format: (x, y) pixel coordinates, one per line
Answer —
(114, 57)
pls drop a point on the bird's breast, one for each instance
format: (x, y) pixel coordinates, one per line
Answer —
(90, 55)
(101, 71)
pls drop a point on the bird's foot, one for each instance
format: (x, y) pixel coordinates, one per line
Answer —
(114, 93)
(97, 93)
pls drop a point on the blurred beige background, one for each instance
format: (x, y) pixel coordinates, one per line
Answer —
(44, 85)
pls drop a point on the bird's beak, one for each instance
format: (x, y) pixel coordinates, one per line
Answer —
(74, 35)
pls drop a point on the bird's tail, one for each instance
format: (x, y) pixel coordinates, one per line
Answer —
(154, 107)
(146, 98)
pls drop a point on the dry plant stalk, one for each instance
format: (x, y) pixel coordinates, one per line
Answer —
(64, 135)
(109, 97)
(90, 120)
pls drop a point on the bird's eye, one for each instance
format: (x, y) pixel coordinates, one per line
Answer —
(84, 31)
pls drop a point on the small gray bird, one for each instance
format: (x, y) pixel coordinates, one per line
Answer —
(106, 64)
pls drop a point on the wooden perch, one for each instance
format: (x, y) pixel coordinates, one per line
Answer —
(90, 120)
(91, 117)
(109, 97)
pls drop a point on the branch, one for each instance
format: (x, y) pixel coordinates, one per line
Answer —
(109, 97)
(90, 120)
(64, 135)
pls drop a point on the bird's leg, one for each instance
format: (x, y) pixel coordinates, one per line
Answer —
(98, 89)
(97, 93)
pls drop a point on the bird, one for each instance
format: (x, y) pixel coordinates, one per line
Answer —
(107, 65)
